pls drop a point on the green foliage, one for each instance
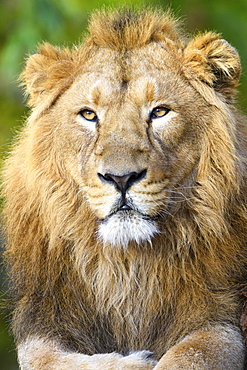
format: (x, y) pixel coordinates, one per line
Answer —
(26, 23)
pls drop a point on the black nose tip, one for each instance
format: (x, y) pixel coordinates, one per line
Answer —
(123, 183)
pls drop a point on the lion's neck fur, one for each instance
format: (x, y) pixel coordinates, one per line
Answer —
(162, 278)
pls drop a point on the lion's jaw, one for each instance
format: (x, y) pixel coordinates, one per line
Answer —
(124, 227)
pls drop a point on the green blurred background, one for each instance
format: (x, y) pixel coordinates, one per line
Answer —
(25, 23)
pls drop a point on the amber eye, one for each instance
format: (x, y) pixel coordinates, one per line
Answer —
(89, 115)
(159, 112)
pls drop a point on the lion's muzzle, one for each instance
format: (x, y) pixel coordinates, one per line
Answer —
(125, 223)
(123, 183)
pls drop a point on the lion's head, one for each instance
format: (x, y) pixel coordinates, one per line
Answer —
(140, 122)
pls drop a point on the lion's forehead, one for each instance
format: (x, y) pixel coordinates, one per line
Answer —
(104, 88)
(140, 74)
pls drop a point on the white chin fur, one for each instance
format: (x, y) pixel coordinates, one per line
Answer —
(122, 228)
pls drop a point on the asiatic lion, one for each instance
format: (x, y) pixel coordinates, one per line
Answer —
(126, 201)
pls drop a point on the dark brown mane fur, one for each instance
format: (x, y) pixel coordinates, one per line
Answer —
(128, 29)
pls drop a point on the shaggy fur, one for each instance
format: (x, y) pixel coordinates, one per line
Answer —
(165, 273)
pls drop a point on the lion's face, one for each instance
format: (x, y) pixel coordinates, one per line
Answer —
(135, 137)
(136, 116)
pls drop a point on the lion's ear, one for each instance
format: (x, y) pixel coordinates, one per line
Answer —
(214, 61)
(47, 72)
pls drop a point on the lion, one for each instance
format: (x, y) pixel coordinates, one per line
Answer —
(125, 201)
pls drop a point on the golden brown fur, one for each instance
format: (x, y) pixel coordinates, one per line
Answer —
(91, 292)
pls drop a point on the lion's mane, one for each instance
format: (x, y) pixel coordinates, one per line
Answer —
(63, 277)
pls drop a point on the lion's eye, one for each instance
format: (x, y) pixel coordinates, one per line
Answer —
(89, 115)
(159, 112)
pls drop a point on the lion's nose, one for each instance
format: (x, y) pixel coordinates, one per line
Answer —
(124, 182)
